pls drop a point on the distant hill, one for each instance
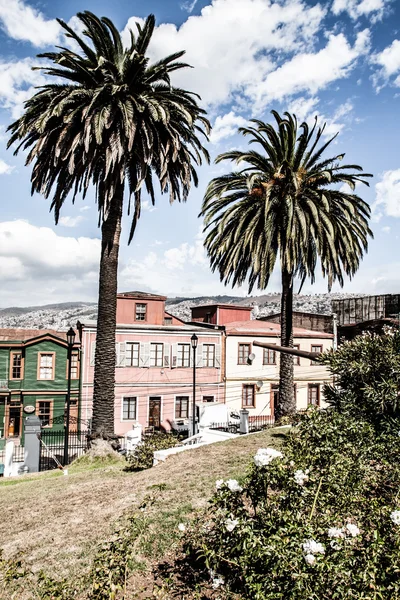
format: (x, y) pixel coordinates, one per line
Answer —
(61, 316)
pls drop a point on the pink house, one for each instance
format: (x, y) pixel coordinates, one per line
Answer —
(154, 372)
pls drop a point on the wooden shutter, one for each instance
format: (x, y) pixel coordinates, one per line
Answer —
(121, 354)
(174, 355)
(92, 353)
(167, 357)
(144, 360)
(199, 355)
(218, 356)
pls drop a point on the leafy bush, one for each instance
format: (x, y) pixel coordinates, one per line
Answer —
(321, 520)
(142, 457)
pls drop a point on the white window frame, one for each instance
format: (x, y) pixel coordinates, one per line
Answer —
(129, 354)
(188, 405)
(156, 355)
(206, 355)
(185, 348)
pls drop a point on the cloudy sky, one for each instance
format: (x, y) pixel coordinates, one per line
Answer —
(338, 59)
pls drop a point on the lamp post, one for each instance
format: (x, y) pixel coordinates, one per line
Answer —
(194, 341)
(70, 342)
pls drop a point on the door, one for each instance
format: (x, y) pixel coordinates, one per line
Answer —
(14, 423)
(155, 412)
(274, 397)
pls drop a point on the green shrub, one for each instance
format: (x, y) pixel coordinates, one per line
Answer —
(321, 521)
(142, 457)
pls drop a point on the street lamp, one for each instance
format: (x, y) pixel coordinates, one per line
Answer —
(70, 342)
(194, 341)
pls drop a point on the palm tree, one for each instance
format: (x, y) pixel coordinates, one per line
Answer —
(112, 120)
(285, 204)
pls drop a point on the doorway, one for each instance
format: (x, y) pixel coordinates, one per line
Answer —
(14, 421)
(274, 397)
(155, 412)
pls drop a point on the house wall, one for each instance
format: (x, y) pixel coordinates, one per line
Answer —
(126, 310)
(306, 320)
(144, 381)
(219, 315)
(238, 375)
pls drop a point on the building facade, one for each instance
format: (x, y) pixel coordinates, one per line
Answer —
(34, 379)
(154, 364)
(251, 373)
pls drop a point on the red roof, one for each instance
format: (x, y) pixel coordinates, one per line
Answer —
(268, 329)
(21, 335)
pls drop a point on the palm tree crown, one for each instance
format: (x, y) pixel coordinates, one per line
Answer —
(285, 203)
(114, 117)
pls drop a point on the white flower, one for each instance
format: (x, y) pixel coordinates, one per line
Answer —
(230, 524)
(300, 476)
(217, 582)
(352, 529)
(313, 547)
(334, 545)
(219, 483)
(395, 516)
(233, 485)
(182, 527)
(265, 455)
(310, 559)
(291, 463)
(336, 532)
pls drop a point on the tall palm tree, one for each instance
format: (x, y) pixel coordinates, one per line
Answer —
(112, 120)
(285, 204)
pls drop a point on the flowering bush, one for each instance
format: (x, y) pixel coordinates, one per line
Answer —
(319, 519)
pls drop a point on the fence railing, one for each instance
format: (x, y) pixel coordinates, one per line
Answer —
(53, 447)
(256, 423)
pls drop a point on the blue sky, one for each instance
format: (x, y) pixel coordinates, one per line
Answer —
(339, 60)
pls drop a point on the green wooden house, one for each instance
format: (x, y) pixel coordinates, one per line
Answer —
(34, 380)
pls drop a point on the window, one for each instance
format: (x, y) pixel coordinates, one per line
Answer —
(248, 396)
(183, 355)
(316, 350)
(168, 321)
(181, 407)
(208, 398)
(74, 365)
(132, 354)
(140, 312)
(129, 409)
(46, 365)
(243, 354)
(208, 355)
(269, 357)
(313, 394)
(44, 410)
(16, 365)
(156, 355)
(296, 359)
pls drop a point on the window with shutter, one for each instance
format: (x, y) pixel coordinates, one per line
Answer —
(167, 353)
(209, 355)
(92, 353)
(218, 356)
(132, 355)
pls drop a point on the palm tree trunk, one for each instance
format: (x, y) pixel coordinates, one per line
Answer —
(104, 367)
(286, 403)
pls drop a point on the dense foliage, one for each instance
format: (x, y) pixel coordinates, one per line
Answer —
(320, 519)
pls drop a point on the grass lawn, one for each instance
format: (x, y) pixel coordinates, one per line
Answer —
(57, 522)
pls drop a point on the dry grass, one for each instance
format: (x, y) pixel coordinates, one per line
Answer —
(57, 520)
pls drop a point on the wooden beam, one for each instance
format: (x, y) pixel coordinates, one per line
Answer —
(302, 353)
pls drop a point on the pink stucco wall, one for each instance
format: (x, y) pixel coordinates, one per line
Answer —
(143, 382)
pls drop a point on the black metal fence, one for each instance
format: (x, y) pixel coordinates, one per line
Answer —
(256, 423)
(52, 447)
(18, 453)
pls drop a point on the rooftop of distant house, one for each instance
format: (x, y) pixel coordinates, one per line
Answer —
(266, 328)
(217, 305)
(141, 296)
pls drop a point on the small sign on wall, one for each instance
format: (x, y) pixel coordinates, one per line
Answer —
(29, 409)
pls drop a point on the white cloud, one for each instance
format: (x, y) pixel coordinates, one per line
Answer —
(5, 169)
(229, 42)
(85, 208)
(68, 221)
(387, 200)
(305, 109)
(148, 206)
(389, 61)
(386, 229)
(310, 72)
(22, 22)
(226, 125)
(17, 82)
(38, 265)
(361, 8)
